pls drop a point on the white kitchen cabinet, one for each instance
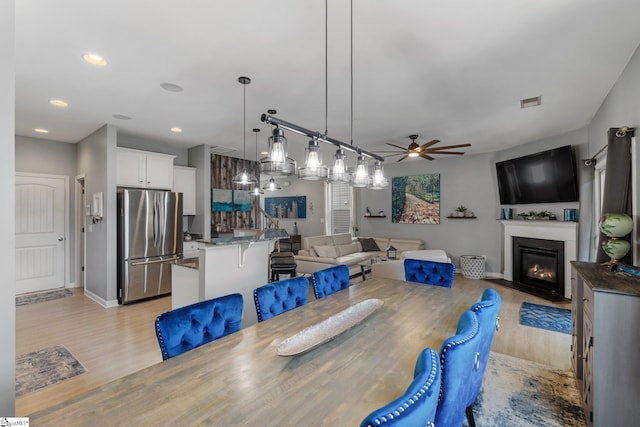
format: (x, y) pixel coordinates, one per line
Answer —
(184, 181)
(189, 249)
(144, 169)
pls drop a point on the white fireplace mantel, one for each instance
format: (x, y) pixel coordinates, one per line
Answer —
(563, 231)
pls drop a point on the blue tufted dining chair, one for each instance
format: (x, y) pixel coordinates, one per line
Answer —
(278, 297)
(487, 310)
(460, 360)
(188, 327)
(429, 272)
(330, 280)
(417, 406)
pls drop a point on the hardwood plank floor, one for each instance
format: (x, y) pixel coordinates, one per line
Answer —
(114, 342)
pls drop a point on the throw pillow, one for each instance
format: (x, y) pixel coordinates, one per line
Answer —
(326, 251)
(369, 245)
(347, 249)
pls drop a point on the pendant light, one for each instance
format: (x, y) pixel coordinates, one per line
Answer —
(272, 185)
(256, 190)
(244, 177)
(339, 170)
(314, 170)
(378, 180)
(361, 173)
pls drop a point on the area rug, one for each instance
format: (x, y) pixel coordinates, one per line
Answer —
(545, 317)
(45, 367)
(42, 296)
(518, 393)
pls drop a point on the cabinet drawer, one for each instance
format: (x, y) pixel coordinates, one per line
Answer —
(587, 298)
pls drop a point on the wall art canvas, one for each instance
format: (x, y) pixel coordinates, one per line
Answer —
(221, 200)
(415, 199)
(241, 201)
(286, 207)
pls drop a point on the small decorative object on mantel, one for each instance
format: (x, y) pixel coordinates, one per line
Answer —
(392, 252)
(616, 226)
(532, 215)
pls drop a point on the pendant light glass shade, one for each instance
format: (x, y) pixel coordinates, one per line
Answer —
(339, 170)
(378, 180)
(272, 185)
(244, 177)
(313, 170)
(277, 162)
(361, 174)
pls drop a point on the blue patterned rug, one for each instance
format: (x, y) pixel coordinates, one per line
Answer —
(519, 393)
(45, 367)
(545, 317)
(26, 299)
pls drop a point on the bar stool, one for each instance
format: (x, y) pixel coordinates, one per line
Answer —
(282, 263)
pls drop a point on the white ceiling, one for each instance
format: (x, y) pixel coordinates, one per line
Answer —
(452, 70)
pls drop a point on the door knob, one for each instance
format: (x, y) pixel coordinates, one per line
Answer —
(60, 239)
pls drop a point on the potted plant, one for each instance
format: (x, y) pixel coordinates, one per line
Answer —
(460, 210)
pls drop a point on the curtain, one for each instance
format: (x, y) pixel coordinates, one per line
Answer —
(617, 183)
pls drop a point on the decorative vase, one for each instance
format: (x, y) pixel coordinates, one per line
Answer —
(615, 224)
(616, 248)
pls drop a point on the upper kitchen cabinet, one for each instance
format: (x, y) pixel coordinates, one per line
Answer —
(144, 169)
(184, 181)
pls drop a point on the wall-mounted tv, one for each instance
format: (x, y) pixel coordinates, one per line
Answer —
(545, 177)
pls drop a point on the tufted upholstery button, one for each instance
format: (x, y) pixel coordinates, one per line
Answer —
(429, 272)
(278, 297)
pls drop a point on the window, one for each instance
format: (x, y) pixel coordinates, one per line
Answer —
(339, 203)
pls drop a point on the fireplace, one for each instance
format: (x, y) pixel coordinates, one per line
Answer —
(538, 264)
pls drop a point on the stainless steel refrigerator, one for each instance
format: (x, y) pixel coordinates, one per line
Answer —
(149, 238)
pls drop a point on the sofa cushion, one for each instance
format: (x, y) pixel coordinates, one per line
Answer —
(347, 249)
(369, 245)
(326, 251)
(437, 255)
(311, 241)
(402, 245)
(342, 239)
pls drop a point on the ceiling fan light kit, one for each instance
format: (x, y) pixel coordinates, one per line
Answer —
(425, 150)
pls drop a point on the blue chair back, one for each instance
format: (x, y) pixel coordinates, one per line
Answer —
(459, 358)
(330, 280)
(417, 406)
(278, 297)
(429, 272)
(487, 310)
(186, 328)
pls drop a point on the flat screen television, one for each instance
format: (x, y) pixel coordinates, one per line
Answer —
(545, 177)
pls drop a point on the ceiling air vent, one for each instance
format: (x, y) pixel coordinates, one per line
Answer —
(219, 149)
(531, 102)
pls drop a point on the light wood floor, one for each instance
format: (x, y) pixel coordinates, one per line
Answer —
(114, 342)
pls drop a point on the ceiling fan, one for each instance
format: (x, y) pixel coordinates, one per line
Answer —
(424, 150)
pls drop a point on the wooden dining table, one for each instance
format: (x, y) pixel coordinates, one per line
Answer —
(240, 380)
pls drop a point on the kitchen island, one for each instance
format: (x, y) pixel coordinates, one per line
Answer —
(224, 266)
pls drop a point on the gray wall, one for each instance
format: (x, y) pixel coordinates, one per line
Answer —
(468, 180)
(200, 158)
(35, 155)
(97, 161)
(7, 224)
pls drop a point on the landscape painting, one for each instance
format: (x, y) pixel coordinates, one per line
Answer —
(221, 200)
(286, 207)
(415, 199)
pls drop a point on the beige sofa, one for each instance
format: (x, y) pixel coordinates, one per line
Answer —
(320, 252)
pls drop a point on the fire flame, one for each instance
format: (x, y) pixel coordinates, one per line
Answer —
(538, 272)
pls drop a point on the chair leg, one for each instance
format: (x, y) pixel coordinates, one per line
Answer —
(471, 421)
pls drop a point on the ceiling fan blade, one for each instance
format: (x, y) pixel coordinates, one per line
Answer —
(397, 146)
(424, 156)
(429, 144)
(446, 152)
(449, 146)
(402, 158)
(395, 154)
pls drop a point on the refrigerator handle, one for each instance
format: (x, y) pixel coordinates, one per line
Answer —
(159, 261)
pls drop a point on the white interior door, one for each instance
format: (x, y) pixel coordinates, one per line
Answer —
(40, 233)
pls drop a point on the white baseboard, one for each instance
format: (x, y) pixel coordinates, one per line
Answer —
(72, 285)
(104, 303)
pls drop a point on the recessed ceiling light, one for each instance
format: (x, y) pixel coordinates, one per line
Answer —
(41, 130)
(94, 59)
(171, 87)
(121, 117)
(531, 102)
(58, 103)
(176, 130)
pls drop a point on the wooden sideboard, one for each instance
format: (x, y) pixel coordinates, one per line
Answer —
(606, 343)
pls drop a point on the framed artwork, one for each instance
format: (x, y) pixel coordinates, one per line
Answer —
(415, 199)
(241, 201)
(221, 200)
(294, 207)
